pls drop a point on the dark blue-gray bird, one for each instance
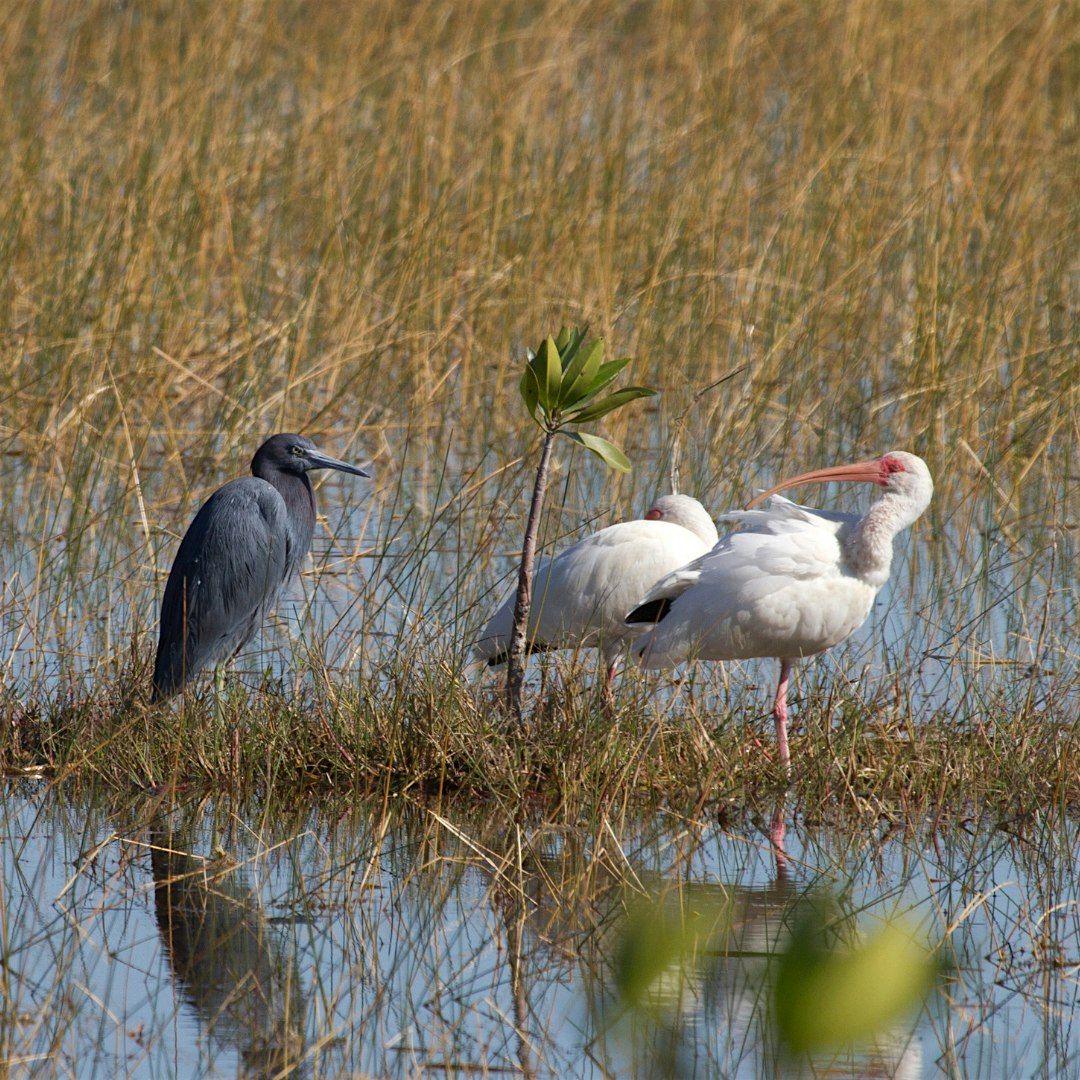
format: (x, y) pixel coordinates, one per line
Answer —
(243, 546)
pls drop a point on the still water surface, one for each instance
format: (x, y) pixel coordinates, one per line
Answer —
(412, 940)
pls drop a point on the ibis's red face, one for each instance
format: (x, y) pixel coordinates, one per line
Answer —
(655, 514)
(875, 471)
(889, 464)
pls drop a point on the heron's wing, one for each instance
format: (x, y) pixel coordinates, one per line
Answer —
(231, 566)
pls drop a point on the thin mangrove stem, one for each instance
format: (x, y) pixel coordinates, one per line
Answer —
(515, 668)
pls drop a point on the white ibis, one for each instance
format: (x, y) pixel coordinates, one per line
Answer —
(581, 596)
(790, 583)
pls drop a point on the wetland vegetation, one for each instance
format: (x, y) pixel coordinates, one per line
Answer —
(822, 231)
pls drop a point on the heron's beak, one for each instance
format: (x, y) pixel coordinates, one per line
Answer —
(869, 472)
(319, 460)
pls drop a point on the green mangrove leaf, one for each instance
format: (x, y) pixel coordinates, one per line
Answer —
(548, 375)
(606, 374)
(607, 452)
(581, 373)
(610, 403)
(530, 390)
(569, 351)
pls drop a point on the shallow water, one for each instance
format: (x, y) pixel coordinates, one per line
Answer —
(971, 611)
(412, 940)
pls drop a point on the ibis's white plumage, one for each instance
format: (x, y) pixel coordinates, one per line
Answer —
(789, 582)
(581, 596)
(776, 587)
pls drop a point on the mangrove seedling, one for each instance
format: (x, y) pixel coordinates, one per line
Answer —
(561, 385)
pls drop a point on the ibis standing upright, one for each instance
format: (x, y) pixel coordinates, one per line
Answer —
(789, 583)
(581, 596)
(245, 543)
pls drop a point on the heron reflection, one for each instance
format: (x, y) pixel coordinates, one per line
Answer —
(233, 968)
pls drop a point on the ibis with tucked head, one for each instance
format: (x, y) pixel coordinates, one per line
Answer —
(581, 596)
(245, 543)
(789, 583)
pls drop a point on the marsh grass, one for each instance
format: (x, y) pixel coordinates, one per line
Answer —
(436, 735)
(223, 220)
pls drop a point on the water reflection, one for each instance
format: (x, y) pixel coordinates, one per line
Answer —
(410, 939)
(235, 970)
(701, 1020)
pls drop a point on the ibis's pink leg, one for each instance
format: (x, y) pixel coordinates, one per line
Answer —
(780, 715)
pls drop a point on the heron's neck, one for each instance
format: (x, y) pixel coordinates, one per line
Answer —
(299, 496)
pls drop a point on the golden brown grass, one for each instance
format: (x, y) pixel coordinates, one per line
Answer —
(219, 220)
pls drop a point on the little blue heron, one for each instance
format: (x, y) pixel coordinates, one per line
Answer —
(241, 549)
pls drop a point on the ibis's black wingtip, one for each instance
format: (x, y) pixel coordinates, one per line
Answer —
(651, 612)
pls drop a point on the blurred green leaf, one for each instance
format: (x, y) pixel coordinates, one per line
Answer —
(581, 373)
(562, 338)
(650, 948)
(609, 404)
(661, 941)
(829, 994)
(548, 369)
(609, 453)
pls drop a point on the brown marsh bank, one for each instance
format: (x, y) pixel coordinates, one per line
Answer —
(433, 733)
(410, 938)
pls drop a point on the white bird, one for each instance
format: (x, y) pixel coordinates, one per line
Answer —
(789, 583)
(581, 596)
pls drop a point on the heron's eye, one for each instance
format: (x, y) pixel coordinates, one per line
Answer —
(296, 451)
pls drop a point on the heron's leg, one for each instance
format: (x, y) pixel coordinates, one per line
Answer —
(219, 710)
(780, 715)
(219, 692)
